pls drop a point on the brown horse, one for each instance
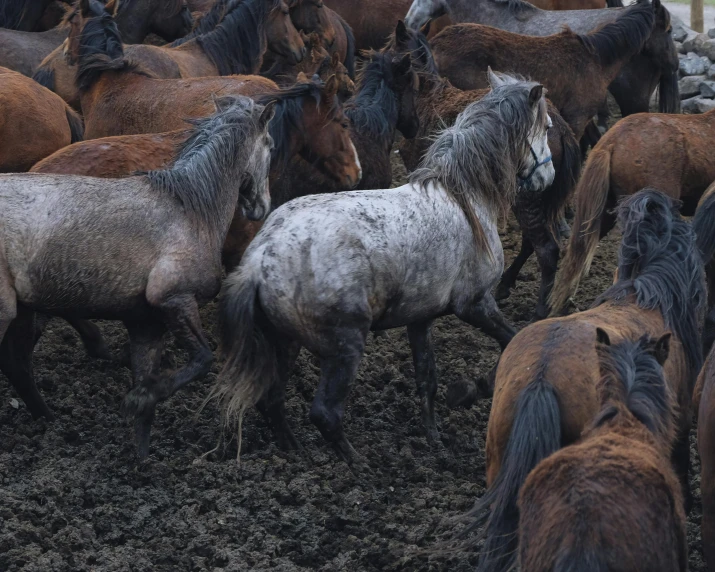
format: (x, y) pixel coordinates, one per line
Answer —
(612, 501)
(575, 69)
(667, 152)
(704, 227)
(705, 402)
(144, 250)
(373, 21)
(23, 15)
(539, 214)
(120, 99)
(34, 122)
(545, 389)
(25, 51)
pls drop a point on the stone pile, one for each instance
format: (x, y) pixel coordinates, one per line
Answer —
(696, 53)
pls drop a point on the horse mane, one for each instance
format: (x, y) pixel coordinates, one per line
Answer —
(627, 34)
(170, 8)
(480, 156)
(288, 117)
(631, 374)
(209, 155)
(11, 12)
(516, 6)
(100, 49)
(236, 45)
(206, 23)
(419, 49)
(373, 109)
(658, 261)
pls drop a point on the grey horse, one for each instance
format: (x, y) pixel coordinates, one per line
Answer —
(145, 250)
(326, 269)
(655, 66)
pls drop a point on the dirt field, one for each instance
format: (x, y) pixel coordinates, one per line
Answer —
(72, 496)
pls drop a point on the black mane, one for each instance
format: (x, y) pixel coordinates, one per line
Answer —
(373, 109)
(288, 117)
(237, 44)
(658, 261)
(626, 35)
(206, 24)
(630, 370)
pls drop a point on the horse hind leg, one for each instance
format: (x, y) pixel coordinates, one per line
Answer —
(16, 362)
(508, 279)
(272, 405)
(337, 373)
(420, 336)
(146, 341)
(486, 316)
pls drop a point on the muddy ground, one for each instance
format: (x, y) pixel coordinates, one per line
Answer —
(73, 497)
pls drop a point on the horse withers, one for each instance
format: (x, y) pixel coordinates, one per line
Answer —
(326, 269)
(612, 501)
(145, 250)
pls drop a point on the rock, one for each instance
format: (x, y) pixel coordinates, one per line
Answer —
(679, 47)
(711, 33)
(692, 64)
(697, 105)
(693, 43)
(707, 89)
(707, 49)
(711, 72)
(690, 86)
(680, 30)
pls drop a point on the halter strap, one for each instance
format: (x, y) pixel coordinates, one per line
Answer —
(524, 180)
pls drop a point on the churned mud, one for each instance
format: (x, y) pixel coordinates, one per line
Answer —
(73, 497)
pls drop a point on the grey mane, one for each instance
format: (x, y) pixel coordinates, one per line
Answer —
(481, 155)
(216, 151)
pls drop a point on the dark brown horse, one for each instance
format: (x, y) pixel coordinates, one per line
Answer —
(575, 69)
(705, 402)
(704, 227)
(119, 98)
(666, 152)
(539, 214)
(23, 15)
(612, 501)
(545, 390)
(144, 250)
(34, 122)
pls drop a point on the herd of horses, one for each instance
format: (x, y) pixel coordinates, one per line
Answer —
(150, 145)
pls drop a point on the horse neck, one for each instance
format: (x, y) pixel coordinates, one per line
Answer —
(370, 104)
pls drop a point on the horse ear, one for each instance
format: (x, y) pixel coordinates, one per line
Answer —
(494, 80)
(267, 114)
(402, 36)
(535, 95)
(661, 348)
(314, 40)
(602, 337)
(335, 59)
(84, 8)
(424, 30)
(331, 87)
(301, 78)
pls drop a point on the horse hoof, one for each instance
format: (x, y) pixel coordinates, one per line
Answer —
(502, 292)
(138, 402)
(345, 451)
(100, 351)
(461, 394)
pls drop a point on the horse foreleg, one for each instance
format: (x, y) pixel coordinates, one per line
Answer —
(420, 336)
(146, 340)
(337, 373)
(16, 362)
(547, 254)
(509, 277)
(92, 339)
(272, 405)
(486, 316)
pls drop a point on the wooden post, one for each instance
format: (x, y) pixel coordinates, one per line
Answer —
(696, 15)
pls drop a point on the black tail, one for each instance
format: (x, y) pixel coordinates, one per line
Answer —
(350, 55)
(535, 434)
(45, 77)
(76, 125)
(555, 197)
(669, 93)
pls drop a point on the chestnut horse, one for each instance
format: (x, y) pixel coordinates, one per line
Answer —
(575, 69)
(34, 122)
(120, 99)
(545, 389)
(25, 51)
(539, 214)
(612, 501)
(144, 250)
(656, 66)
(667, 152)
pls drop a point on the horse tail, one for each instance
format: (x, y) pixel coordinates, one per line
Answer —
(350, 52)
(76, 124)
(614, 3)
(590, 202)
(535, 434)
(576, 559)
(554, 198)
(250, 345)
(45, 76)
